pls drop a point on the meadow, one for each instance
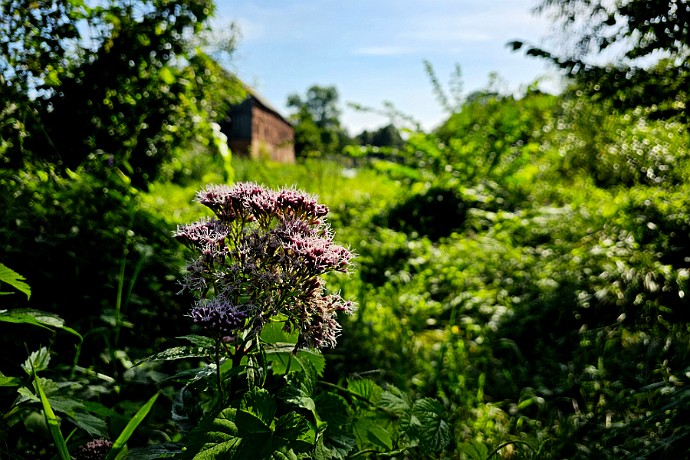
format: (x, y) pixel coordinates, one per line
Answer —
(524, 268)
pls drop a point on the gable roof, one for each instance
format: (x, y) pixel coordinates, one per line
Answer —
(263, 102)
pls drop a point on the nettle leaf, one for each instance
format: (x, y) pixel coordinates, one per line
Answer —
(89, 423)
(396, 401)
(315, 358)
(333, 409)
(473, 450)
(298, 396)
(260, 403)
(220, 439)
(14, 279)
(295, 434)
(366, 389)
(368, 431)
(335, 443)
(434, 434)
(292, 426)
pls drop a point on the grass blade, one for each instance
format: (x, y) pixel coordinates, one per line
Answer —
(52, 421)
(121, 440)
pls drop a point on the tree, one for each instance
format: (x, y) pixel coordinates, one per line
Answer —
(317, 118)
(643, 31)
(386, 136)
(112, 86)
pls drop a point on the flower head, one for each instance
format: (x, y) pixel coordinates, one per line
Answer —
(96, 449)
(261, 257)
(218, 316)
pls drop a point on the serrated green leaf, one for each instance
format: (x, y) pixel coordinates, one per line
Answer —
(292, 426)
(368, 431)
(175, 353)
(333, 409)
(260, 403)
(290, 455)
(366, 389)
(473, 450)
(434, 434)
(283, 360)
(14, 279)
(315, 357)
(250, 424)
(90, 423)
(396, 401)
(298, 397)
(37, 361)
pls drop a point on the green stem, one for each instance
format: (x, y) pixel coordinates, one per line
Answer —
(221, 396)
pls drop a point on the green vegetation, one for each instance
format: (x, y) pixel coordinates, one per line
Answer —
(521, 273)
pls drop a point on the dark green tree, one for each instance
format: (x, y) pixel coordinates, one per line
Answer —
(651, 40)
(386, 136)
(317, 122)
(110, 86)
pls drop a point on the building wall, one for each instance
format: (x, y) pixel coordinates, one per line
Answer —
(272, 137)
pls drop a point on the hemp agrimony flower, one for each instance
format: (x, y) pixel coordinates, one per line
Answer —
(260, 259)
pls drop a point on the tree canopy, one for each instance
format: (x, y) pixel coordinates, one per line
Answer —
(114, 85)
(649, 42)
(317, 118)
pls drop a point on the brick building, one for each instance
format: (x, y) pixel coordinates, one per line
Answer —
(257, 130)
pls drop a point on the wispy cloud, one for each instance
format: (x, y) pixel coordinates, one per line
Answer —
(384, 50)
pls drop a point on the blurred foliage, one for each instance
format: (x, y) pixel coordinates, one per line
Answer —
(526, 263)
(318, 131)
(645, 50)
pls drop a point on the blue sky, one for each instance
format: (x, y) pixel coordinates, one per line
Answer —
(373, 50)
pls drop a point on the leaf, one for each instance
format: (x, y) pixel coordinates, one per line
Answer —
(368, 431)
(366, 389)
(260, 403)
(90, 423)
(37, 361)
(396, 401)
(9, 381)
(273, 333)
(199, 341)
(36, 318)
(219, 439)
(132, 425)
(283, 359)
(314, 357)
(292, 426)
(333, 409)
(435, 432)
(52, 421)
(172, 354)
(14, 279)
(473, 450)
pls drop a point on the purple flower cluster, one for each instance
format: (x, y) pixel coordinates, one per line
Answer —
(266, 249)
(218, 316)
(93, 450)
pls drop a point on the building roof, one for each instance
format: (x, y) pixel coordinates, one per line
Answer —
(263, 102)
